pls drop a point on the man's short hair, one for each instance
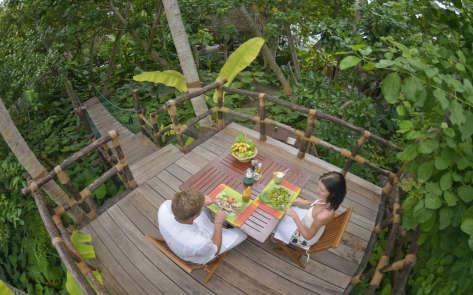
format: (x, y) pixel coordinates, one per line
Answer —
(187, 204)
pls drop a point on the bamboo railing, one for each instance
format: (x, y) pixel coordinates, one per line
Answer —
(390, 192)
(79, 269)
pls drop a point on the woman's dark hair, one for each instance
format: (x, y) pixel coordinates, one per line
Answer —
(336, 186)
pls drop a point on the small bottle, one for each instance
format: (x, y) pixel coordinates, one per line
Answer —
(259, 168)
(248, 183)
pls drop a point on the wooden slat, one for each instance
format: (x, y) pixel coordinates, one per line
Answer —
(176, 274)
(159, 281)
(287, 270)
(119, 272)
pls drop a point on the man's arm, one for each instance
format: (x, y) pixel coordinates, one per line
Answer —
(217, 236)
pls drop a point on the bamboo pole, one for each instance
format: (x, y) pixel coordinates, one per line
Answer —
(262, 115)
(320, 115)
(65, 180)
(220, 122)
(125, 170)
(356, 149)
(303, 145)
(60, 244)
(172, 111)
(35, 184)
(199, 91)
(138, 108)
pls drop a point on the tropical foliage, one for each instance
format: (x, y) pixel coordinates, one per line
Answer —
(402, 69)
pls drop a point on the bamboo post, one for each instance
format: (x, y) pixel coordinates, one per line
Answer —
(262, 115)
(356, 149)
(126, 172)
(171, 107)
(384, 260)
(308, 132)
(65, 180)
(138, 108)
(220, 122)
(60, 244)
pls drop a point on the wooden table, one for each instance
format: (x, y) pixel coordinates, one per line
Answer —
(229, 171)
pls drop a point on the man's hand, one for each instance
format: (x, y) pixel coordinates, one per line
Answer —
(290, 212)
(220, 217)
(208, 200)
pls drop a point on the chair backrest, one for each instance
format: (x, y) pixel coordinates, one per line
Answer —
(333, 233)
(163, 247)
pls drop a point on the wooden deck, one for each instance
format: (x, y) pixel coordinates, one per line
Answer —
(136, 146)
(131, 265)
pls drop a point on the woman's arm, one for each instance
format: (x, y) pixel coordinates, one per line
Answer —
(300, 202)
(308, 233)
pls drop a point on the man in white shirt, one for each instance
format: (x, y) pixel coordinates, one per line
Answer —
(185, 225)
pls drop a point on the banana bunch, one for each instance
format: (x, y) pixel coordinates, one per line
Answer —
(240, 148)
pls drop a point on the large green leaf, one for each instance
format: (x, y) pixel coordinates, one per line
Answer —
(242, 57)
(428, 146)
(169, 78)
(81, 243)
(425, 170)
(73, 288)
(432, 202)
(465, 192)
(446, 181)
(349, 61)
(391, 87)
(4, 289)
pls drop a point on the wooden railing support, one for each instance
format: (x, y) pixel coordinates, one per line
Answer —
(128, 178)
(220, 122)
(308, 132)
(356, 149)
(262, 116)
(171, 107)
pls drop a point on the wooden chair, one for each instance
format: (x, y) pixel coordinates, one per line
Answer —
(210, 267)
(331, 238)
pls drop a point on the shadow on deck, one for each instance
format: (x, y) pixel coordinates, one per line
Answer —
(131, 265)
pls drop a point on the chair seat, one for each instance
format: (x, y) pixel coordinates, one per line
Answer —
(331, 238)
(210, 267)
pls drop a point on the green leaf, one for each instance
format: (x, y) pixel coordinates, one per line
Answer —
(425, 170)
(441, 97)
(384, 63)
(408, 154)
(467, 226)
(391, 87)
(465, 192)
(4, 289)
(81, 243)
(467, 128)
(242, 57)
(369, 66)
(366, 51)
(457, 114)
(450, 198)
(433, 202)
(101, 192)
(470, 243)
(73, 288)
(433, 188)
(446, 181)
(428, 146)
(460, 67)
(445, 217)
(349, 61)
(412, 89)
(169, 78)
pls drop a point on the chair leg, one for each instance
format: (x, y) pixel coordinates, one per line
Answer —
(212, 267)
(294, 255)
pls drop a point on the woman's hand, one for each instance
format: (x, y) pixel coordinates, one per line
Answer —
(290, 212)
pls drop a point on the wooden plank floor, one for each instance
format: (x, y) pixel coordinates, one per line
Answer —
(131, 265)
(136, 146)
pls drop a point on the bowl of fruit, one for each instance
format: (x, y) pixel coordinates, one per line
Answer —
(243, 149)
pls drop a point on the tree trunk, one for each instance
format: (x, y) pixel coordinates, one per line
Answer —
(292, 48)
(267, 54)
(28, 160)
(111, 65)
(143, 43)
(184, 52)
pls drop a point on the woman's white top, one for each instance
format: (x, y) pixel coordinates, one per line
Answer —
(287, 228)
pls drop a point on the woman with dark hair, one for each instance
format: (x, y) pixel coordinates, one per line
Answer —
(304, 227)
